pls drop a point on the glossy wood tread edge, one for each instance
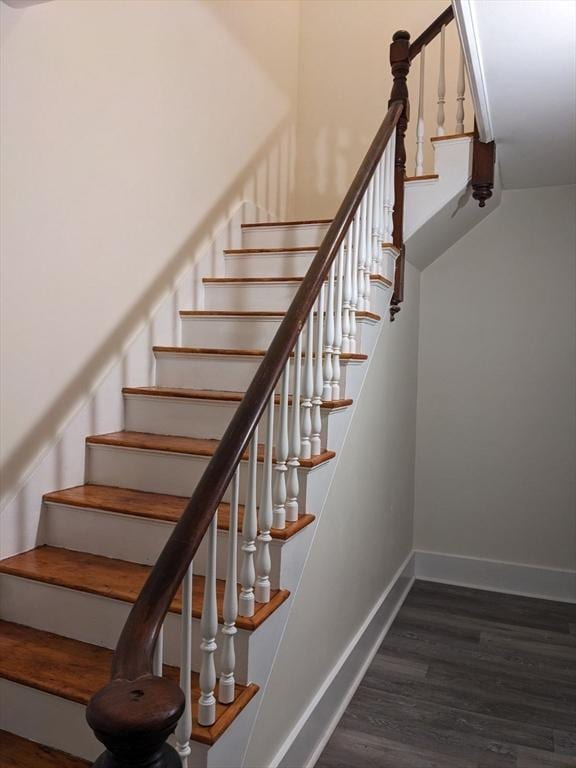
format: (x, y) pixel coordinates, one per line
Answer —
(424, 177)
(190, 446)
(241, 352)
(119, 580)
(217, 395)
(249, 251)
(17, 752)
(153, 506)
(244, 313)
(286, 223)
(451, 136)
(258, 280)
(74, 670)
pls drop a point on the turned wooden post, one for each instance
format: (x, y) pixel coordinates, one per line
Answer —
(400, 64)
(133, 719)
(483, 163)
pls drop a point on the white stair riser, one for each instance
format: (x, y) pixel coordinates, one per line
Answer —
(258, 297)
(135, 539)
(99, 620)
(278, 264)
(287, 236)
(191, 418)
(290, 264)
(241, 332)
(161, 471)
(206, 371)
(61, 724)
(249, 297)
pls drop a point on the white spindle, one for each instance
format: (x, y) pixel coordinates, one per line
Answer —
(307, 391)
(209, 627)
(441, 117)
(363, 255)
(158, 660)
(460, 89)
(316, 439)
(282, 446)
(227, 687)
(184, 727)
(420, 121)
(389, 188)
(263, 561)
(337, 345)
(249, 533)
(329, 336)
(369, 245)
(292, 483)
(354, 229)
(347, 293)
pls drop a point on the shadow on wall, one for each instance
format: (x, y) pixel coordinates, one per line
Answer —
(266, 178)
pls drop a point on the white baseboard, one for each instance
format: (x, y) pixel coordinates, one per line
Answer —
(309, 736)
(496, 576)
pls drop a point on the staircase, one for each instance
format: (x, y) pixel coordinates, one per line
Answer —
(64, 604)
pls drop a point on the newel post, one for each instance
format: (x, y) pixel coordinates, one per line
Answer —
(483, 164)
(133, 719)
(400, 64)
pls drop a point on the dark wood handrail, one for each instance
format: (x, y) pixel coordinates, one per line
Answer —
(430, 32)
(136, 701)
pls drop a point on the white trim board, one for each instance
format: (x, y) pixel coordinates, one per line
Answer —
(305, 742)
(496, 576)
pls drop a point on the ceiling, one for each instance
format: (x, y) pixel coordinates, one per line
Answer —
(527, 50)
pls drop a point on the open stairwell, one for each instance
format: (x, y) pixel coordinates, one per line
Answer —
(64, 604)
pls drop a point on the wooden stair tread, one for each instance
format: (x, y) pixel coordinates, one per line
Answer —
(291, 249)
(287, 223)
(216, 280)
(192, 446)
(154, 506)
(215, 394)
(75, 670)
(240, 352)
(118, 579)
(16, 752)
(243, 313)
(424, 177)
(451, 136)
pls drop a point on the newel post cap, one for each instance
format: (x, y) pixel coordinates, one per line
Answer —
(133, 718)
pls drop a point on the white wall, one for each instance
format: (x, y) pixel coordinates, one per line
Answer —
(129, 131)
(496, 428)
(345, 83)
(363, 536)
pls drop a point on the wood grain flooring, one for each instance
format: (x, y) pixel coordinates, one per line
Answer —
(16, 752)
(465, 679)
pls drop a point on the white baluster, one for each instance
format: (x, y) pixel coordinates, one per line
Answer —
(329, 336)
(263, 561)
(460, 89)
(420, 121)
(316, 439)
(184, 727)
(282, 446)
(249, 533)
(308, 391)
(209, 627)
(292, 483)
(369, 245)
(375, 207)
(158, 660)
(227, 687)
(347, 293)
(355, 230)
(388, 189)
(363, 254)
(441, 116)
(337, 345)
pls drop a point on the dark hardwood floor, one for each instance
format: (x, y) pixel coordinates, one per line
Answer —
(465, 679)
